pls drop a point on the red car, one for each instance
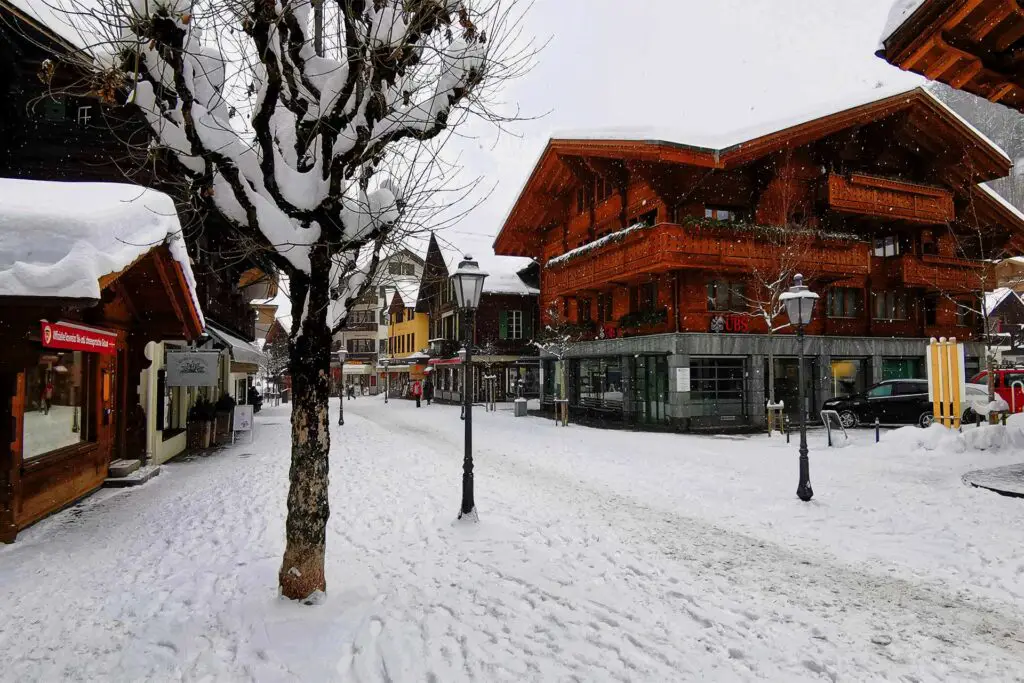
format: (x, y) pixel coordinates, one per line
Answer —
(1009, 385)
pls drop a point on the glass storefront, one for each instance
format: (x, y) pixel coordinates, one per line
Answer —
(787, 383)
(56, 400)
(850, 376)
(904, 368)
(718, 387)
(650, 388)
(600, 381)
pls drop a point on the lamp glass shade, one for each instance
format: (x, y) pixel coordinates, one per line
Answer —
(799, 302)
(462, 354)
(468, 282)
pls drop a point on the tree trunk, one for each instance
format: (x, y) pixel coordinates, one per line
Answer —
(302, 570)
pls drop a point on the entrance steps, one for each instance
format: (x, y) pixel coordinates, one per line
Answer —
(122, 473)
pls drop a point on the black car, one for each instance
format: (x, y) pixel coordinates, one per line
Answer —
(894, 401)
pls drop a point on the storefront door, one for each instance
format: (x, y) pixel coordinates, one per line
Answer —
(787, 385)
(650, 389)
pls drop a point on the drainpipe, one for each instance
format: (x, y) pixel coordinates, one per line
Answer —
(675, 299)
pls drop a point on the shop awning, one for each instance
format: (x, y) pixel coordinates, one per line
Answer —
(241, 350)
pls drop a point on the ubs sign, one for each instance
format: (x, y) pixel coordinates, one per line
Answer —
(730, 323)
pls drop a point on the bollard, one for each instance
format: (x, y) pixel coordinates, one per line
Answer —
(876, 430)
(785, 422)
(1003, 418)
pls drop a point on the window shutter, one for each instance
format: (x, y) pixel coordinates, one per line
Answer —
(528, 324)
(161, 389)
(503, 325)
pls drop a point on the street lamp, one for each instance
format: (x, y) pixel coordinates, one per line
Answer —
(799, 302)
(342, 353)
(468, 282)
(387, 378)
(462, 363)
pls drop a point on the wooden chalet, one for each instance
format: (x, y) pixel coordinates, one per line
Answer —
(503, 328)
(659, 249)
(970, 45)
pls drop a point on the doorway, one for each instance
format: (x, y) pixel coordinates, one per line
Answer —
(650, 389)
(787, 385)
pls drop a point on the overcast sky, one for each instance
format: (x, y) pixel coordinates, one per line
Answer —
(707, 66)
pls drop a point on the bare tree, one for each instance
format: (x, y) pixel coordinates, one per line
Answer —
(557, 338)
(284, 133)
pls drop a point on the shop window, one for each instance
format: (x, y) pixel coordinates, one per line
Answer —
(890, 306)
(56, 402)
(600, 382)
(849, 376)
(726, 296)
(903, 368)
(843, 302)
(718, 385)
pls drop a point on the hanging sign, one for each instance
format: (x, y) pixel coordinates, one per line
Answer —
(74, 337)
(192, 368)
(730, 323)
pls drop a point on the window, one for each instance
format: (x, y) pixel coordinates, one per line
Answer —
(931, 308)
(600, 381)
(360, 316)
(510, 325)
(604, 307)
(888, 246)
(54, 109)
(843, 302)
(382, 346)
(583, 310)
(911, 388)
(647, 219)
(242, 391)
(56, 402)
(890, 306)
(966, 315)
(360, 345)
(726, 296)
(718, 386)
(584, 195)
(880, 391)
(84, 115)
(718, 214)
(399, 268)
(605, 189)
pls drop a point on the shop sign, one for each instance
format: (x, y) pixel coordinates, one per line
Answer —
(730, 323)
(61, 335)
(192, 368)
(682, 379)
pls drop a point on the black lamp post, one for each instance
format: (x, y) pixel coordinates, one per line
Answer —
(799, 302)
(387, 378)
(342, 353)
(468, 281)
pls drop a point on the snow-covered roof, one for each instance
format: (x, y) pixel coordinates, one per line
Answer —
(1002, 201)
(899, 13)
(996, 297)
(716, 140)
(502, 271)
(58, 239)
(409, 290)
(67, 19)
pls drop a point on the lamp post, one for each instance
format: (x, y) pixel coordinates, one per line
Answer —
(387, 378)
(799, 302)
(342, 353)
(468, 282)
(462, 363)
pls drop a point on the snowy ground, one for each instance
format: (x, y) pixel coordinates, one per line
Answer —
(600, 556)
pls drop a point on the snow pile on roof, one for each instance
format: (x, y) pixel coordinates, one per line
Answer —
(409, 290)
(502, 271)
(900, 12)
(1002, 201)
(59, 239)
(996, 297)
(69, 20)
(596, 244)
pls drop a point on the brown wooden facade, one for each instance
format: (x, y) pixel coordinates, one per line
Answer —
(970, 45)
(147, 301)
(879, 199)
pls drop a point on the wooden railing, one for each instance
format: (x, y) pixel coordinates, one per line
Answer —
(942, 273)
(892, 199)
(669, 246)
(222, 305)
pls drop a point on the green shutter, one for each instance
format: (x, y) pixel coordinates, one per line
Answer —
(503, 325)
(528, 324)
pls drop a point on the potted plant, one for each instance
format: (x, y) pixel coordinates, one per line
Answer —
(200, 423)
(223, 414)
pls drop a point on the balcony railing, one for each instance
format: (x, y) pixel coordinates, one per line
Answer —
(360, 326)
(228, 308)
(885, 198)
(940, 272)
(669, 246)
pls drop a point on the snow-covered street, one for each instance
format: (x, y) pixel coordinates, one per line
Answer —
(600, 555)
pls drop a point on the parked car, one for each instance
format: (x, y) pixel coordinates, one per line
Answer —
(1005, 378)
(899, 401)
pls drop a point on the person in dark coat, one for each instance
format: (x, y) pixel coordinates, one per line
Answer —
(428, 389)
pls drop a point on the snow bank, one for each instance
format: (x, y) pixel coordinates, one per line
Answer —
(59, 239)
(938, 439)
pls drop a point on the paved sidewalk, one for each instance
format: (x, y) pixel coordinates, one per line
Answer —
(1007, 480)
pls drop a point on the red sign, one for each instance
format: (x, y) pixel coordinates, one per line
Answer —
(78, 338)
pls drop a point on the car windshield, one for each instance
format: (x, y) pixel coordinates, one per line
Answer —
(880, 390)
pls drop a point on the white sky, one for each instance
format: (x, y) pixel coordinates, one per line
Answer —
(702, 65)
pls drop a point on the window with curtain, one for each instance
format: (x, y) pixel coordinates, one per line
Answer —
(843, 302)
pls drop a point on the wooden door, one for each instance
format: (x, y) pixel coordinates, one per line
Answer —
(12, 410)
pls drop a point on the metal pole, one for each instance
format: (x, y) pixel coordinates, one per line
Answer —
(468, 505)
(803, 490)
(387, 382)
(341, 401)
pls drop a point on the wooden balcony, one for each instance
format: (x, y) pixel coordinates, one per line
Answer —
(885, 198)
(667, 247)
(940, 273)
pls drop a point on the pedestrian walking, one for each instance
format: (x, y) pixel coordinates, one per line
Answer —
(428, 390)
(417, 392)
(47, 397)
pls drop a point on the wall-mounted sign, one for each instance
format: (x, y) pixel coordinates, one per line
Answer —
(74, 337)
(730, 323)
(192, 368)
(682, 379)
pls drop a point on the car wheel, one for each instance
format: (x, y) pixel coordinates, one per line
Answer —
(926, 420)
(848, 419)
